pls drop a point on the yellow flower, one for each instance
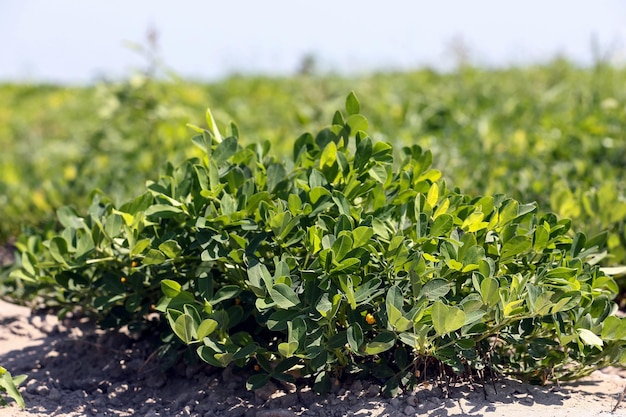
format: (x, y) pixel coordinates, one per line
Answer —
(370, 319)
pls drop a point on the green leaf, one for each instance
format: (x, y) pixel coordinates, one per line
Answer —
(139, 247)
(395, 298)
(347, 266)
(515, 246)
(296, 330)
(162, 211)
(352, 104)
(170, 288)
(341, 247)
(355, 337)
(69, 218)
(184, 328)
(244, 352)
(433, 195)
(362, 236)
(614, 328)
(541, 237)
(379, 173)
(347, 286)
(363, 154)
(9, 384)
(324, 306)
(435, 289)
(284, 296)
(276, 174)
(474, 222)
(259, 277)
(279, 320)
(227, 292)
(206, 328)
(329, 155)
(380, 343)
(257, 381)
(317, 193)
(357, 122)
(295, 204)
(489, 291)
(338, 119)
(58, 249)
(224, 358)
(411, 339)
(589, 338)
(154, 257)
(170, 248)
(84, 245)
(446, 319)
(287, 349)
(396, 319)
(228, 205)
(367, 290)
(210, 121)
(224, 150)
(442, 225)
(255, 200)
(513, 308)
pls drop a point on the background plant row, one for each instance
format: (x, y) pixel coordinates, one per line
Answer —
(552, 134)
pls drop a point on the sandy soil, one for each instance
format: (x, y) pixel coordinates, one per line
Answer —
(74, 369)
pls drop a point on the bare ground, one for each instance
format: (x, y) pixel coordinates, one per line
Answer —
(74, 369)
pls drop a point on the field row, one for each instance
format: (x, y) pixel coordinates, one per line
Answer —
(552, 134)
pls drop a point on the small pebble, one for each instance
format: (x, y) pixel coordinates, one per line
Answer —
(395, 403)
(54, 394)
(42, 390)
(412, 400)
(373, 390)
(32, 386)
(409, 410)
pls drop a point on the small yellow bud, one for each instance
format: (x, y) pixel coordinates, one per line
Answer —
(370, 319)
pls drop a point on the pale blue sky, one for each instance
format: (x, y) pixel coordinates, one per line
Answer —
(76, 41)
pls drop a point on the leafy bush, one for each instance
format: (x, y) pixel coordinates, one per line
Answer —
(551, 133)
(344, 260)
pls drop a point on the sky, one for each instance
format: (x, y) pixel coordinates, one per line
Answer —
(81, 41)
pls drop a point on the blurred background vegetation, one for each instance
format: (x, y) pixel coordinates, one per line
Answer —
(551, 133)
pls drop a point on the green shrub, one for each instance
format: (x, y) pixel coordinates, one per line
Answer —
(346, 259)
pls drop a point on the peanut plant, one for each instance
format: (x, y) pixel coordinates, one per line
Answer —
(348, 258)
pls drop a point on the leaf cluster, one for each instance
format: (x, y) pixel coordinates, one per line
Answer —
(346, 259)
(8, 387)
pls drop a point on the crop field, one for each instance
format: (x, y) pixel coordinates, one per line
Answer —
(552, 134)
(393, 226)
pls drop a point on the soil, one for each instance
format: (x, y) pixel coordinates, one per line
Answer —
(74, 369)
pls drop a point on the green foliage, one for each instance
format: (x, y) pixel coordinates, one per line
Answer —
(59, 144)
(8, 386)
(346, 259)
(551, 134)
